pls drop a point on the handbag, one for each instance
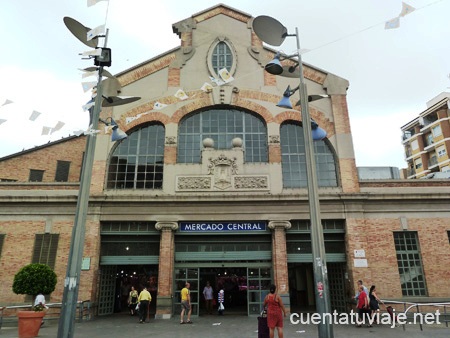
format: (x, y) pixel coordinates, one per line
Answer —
(137, 307)
(221, 307)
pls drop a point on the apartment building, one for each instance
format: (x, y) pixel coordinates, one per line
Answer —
(427, 140)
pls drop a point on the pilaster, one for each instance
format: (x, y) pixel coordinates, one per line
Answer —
(165, 269)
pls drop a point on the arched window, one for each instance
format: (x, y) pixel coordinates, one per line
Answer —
(138, 161)
(222, 57)
(293, 159)
(222, 125)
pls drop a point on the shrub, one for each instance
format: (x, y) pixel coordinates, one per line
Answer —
(33, 279)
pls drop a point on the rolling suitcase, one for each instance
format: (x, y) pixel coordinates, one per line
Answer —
(263, 329)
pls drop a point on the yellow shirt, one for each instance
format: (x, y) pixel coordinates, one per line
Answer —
(184, 294)
(144, 295)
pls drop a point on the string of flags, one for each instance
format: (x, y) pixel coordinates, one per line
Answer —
(224, 76)
(395, 22)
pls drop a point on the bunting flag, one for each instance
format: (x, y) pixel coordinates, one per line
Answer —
(34, 115)
(58, 126)
(91, 131)
(128, 120)
(393, 23)
(92, 52)
(207, 87)
(159, 105)
(2, 121)
(225, 75)
(86, 74)
(100, 30)
(180, 94)
(78, 132)
(7, 102)
(218, 82)
(93, 2)
(46, 130)
(88, 105)
(88, 85)
(406, 9)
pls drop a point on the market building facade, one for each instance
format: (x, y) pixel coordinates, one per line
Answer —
(210, 185)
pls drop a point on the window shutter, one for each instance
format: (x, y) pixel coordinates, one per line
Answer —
(45, 248)
(62, 171)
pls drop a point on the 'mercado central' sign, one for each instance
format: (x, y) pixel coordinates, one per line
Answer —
(222, 226)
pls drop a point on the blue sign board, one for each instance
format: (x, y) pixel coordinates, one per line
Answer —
(222, 226)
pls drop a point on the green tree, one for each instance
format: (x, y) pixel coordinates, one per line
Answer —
(33, 279)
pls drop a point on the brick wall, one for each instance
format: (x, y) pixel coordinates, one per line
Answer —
(45, 158)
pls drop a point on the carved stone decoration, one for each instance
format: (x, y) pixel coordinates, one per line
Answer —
(222, 168)
(172, 226)
(171, 140)
(194, 183)
(274, 139)
(251, 182)
(285, 225)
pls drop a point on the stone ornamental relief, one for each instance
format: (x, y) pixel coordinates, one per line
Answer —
(222, 168)
(222, 175)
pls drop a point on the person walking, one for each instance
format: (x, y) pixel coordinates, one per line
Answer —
(363, 306)
(144, 300)
(220, 300)
(132, 300)
(208, 294)
(186, 304)
(275, 312)
(374, 302)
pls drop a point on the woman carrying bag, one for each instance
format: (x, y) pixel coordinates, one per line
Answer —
(275, 312)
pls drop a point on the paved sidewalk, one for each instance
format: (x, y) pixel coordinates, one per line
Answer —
(231, 326)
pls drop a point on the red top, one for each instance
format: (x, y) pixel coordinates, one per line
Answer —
(362, 299)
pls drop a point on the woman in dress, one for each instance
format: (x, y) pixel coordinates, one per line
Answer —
(374, 301)
(275, 312)
(132, 300)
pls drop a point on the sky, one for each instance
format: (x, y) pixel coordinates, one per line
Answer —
(392, 73)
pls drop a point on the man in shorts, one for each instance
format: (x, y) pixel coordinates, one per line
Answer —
(186, 304)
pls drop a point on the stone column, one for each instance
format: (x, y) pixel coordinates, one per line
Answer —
(279, 259)
(165, 269)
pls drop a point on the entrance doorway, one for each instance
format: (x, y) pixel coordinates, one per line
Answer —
(233, 281)
(116, 282)
(244, 288)
(301, 287)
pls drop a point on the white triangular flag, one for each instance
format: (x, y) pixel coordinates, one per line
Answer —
(393, 23)
(100, 30)
(159, 105)
(34, 115)
(130, 119)
(93, 2)
(88, 105)
(7, 102)
(218, 82)
(181, 94)
(207, 87)
(2, 121)
(225, 75)
(86, 74)
(88, 85)
(91, 131)
(46, 130)
(58, 126)
(92, 52)
(78, 132)
(406, 9)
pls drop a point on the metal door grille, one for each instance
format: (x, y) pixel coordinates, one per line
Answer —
(336, 281)
(107, 289)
